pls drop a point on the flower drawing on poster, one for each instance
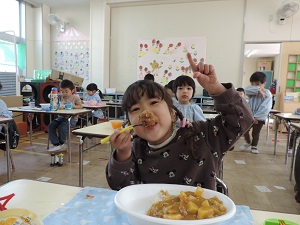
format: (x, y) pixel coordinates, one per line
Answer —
(71, 53)
(166, 58)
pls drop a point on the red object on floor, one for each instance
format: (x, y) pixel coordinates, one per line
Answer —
(22, 127)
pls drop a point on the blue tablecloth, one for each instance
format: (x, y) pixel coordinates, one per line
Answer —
(96, 206)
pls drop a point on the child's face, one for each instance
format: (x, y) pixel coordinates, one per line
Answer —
(159, 132)
(184, 94)
(242, 94)
(66, 92)
(90, 93)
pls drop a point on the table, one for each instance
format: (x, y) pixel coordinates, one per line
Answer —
(64, 112)
(288, 118)
(44, 198)
(272, 112)
(4, 122)
(100, 130)
(297, 129)
(210, 115)
(95, 107)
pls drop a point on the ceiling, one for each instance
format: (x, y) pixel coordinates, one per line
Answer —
(251, 50)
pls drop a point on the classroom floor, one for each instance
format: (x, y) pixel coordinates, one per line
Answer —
(260, 181)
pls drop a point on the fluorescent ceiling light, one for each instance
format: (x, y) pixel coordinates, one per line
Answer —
(251, 52)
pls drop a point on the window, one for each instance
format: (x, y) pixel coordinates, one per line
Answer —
(12, 35)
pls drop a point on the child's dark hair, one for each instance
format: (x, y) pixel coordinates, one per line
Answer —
(67, 84)
(170, 85)
(184, 80)
(93, 87)
(258, 77)
(240, 89)
(149, 77)
(152, 90)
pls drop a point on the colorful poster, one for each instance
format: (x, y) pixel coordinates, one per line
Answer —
(166, 58)
(71, 53)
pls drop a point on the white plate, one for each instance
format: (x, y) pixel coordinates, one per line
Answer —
(20, 215)
(136, 199)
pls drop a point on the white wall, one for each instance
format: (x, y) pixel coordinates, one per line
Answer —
(221, 22)
(259, 28)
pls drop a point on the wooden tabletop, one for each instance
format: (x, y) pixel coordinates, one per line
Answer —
(296, 125)
(95, 106)
(71, 112)
(99, 130)
(5, 120)
(287, 116)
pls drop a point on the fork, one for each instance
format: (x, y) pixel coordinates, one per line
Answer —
(106, 139)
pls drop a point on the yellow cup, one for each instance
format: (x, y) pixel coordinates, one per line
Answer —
(116, 123)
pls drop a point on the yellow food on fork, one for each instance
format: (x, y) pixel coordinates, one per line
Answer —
(106, 139)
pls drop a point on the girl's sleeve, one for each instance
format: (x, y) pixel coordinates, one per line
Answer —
(234, 120)
(120, 174)
(4, 111)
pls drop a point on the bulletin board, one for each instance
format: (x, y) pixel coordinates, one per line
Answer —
(71, 53)
(166, 58)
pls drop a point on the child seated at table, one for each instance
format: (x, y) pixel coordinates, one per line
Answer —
(94, 96)
(291, 142)
(67, 89)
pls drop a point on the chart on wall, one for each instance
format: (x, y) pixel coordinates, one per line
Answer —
(166, 58)
(71, 53)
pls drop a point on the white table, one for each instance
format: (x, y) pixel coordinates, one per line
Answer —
(95, 107)
(44, 198)
(4, 122)
(272, 112)
(100, 130)
(288, 118)
(64, 112)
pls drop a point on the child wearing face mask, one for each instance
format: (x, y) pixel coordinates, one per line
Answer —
(162, 153)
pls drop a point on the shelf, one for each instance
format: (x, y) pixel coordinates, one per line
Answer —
(293, 73)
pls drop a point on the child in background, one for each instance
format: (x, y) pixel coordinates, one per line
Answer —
(184, 88)
(241, 91)
(94, 95)
(67, 89)
(161, 153)
(260, 102)
(291, 142)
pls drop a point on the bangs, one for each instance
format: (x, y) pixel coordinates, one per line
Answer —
(141, 88)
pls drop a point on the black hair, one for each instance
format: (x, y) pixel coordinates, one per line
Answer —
(170, 85)
(184, 80)
(140, 88)
(67, 84)
(93, 87)
(258, 77)
(149, 76)
(240, 89)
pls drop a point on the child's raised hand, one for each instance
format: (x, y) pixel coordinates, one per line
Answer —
(206, 76)
(122, 144)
